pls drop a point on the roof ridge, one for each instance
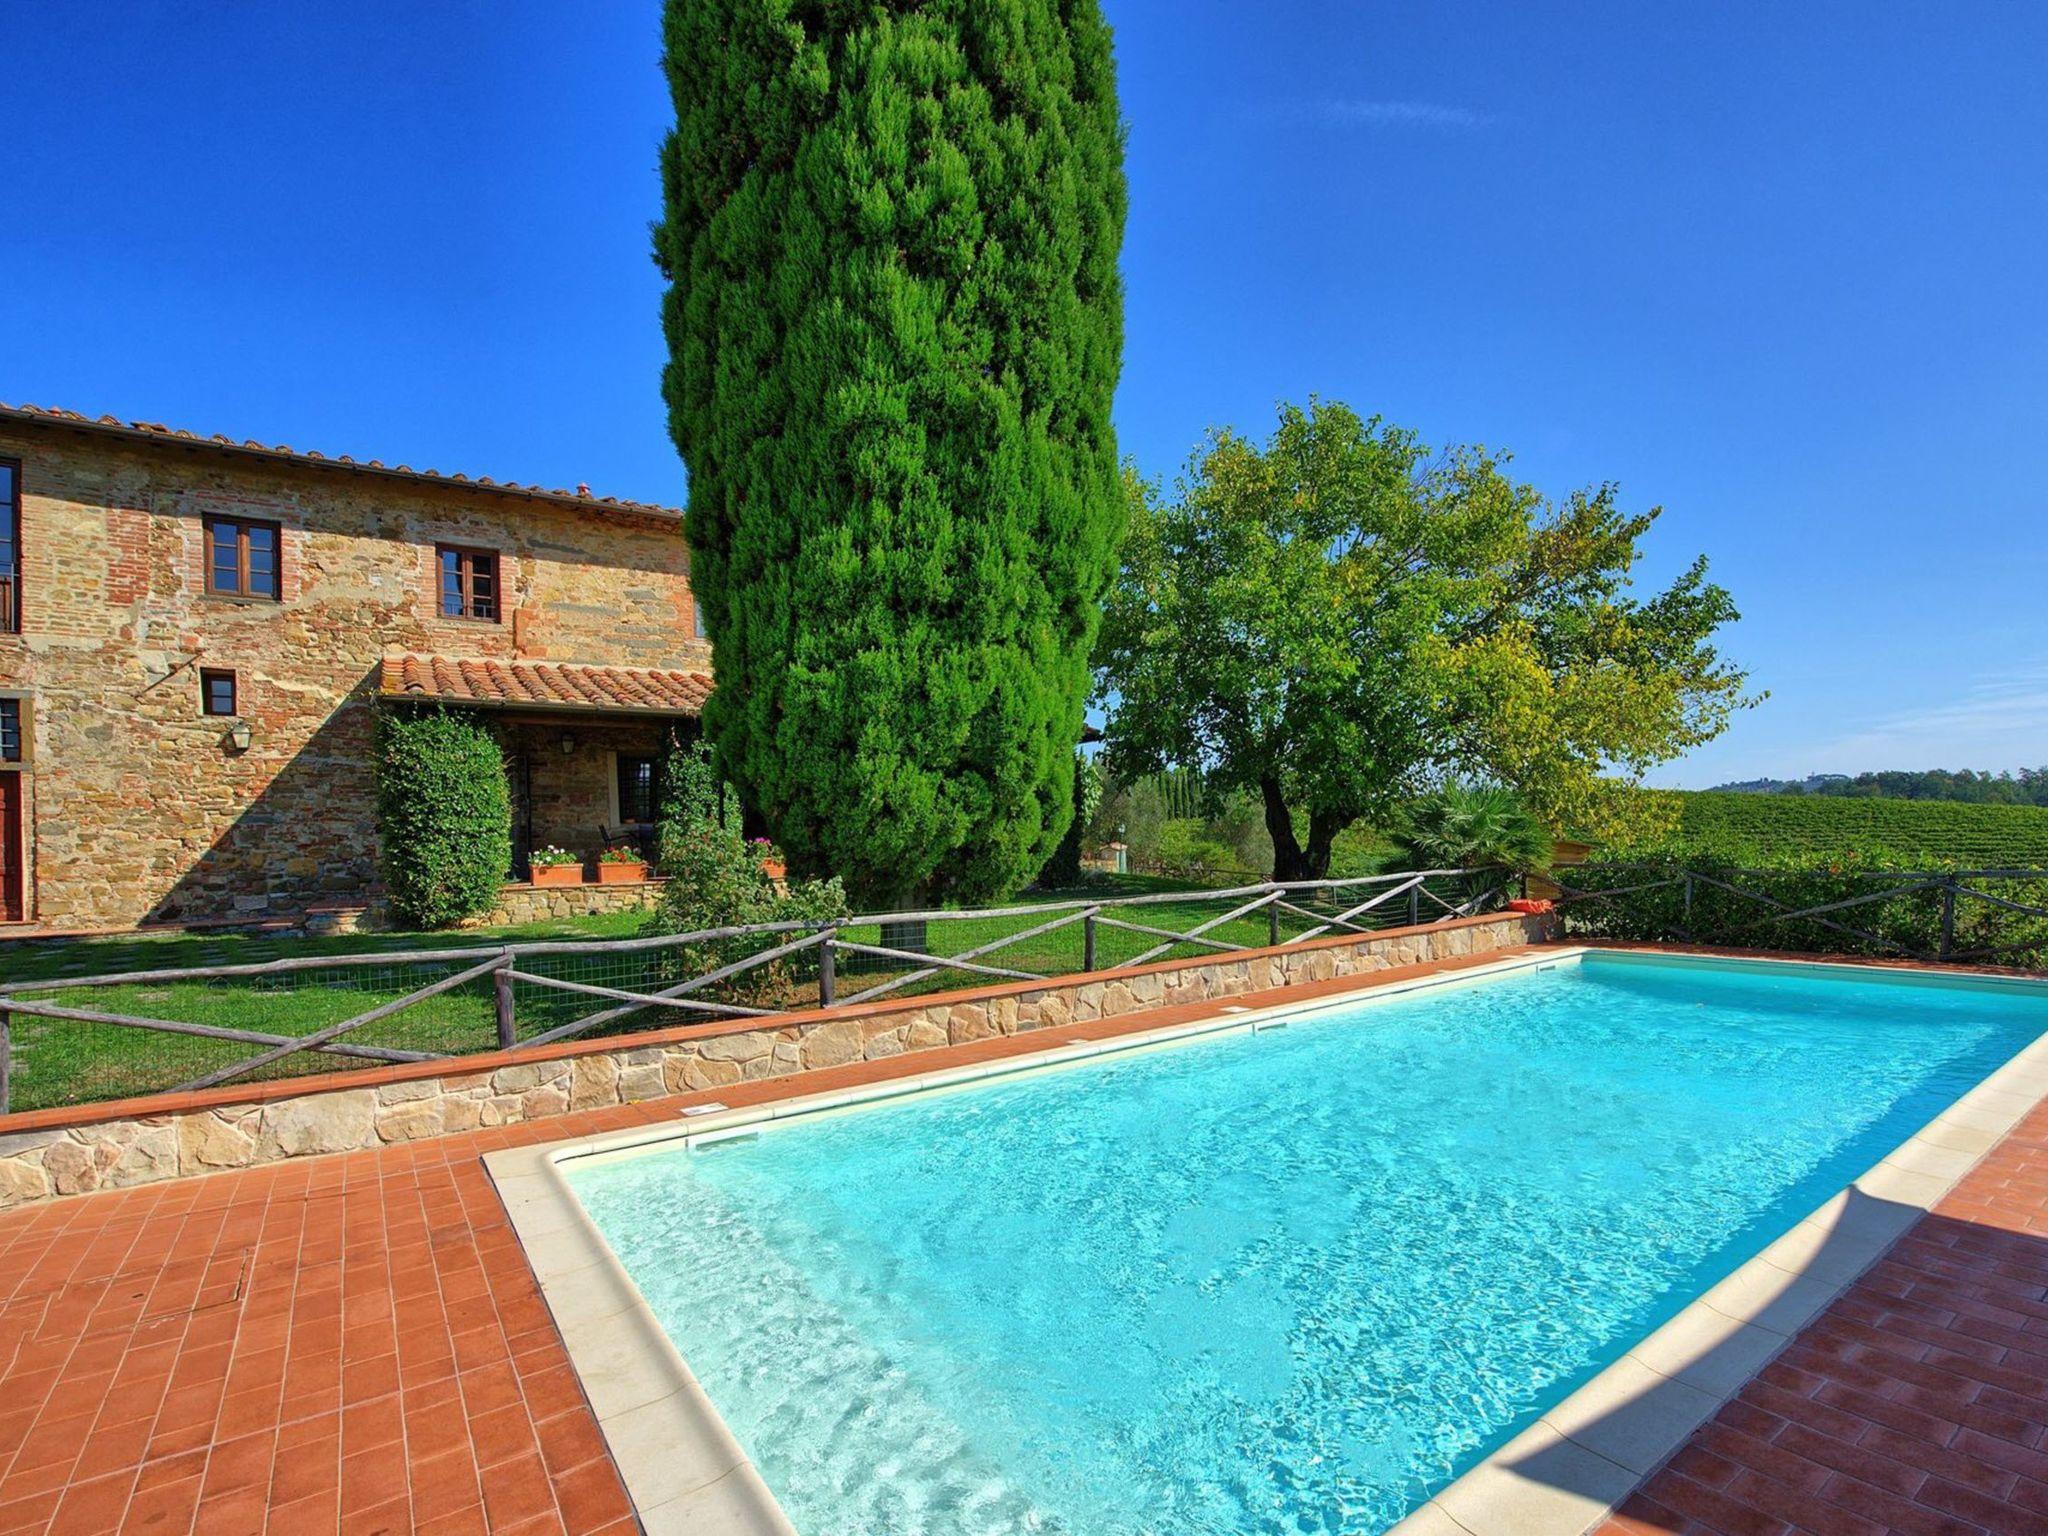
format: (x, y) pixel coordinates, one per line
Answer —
(156, 431)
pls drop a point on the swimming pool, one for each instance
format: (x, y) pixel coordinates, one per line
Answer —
(1285, 1281)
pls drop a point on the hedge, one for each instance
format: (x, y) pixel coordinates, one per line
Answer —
(444, 816)
(1656, 902)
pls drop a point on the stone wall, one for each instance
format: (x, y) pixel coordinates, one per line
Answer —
(542, 903)
(66, 1152)
(565, 778)
(139, 807)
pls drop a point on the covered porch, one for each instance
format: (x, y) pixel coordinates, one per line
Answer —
(583, 744)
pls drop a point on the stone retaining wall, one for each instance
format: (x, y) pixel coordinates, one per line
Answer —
(543, 903)
(138, 1141)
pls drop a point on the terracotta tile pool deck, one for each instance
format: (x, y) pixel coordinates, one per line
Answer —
(356, 1343)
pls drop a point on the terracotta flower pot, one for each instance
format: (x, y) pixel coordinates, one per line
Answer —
(558, 874)
(616, 873)
(775, 869)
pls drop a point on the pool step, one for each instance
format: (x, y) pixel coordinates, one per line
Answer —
(719, 1138)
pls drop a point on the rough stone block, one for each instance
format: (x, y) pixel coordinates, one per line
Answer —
(321, 1122)
(210, 1140)
(693, 1074)
(594, 1082)
(540, 1103)
(22, 1179)
(73, 1168)
(831, 1045)
(460, 1114)
(528, 1074)
(642, 1081)
(410, 1121)
(744, 1047)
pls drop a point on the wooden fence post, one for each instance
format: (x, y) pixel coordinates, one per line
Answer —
(1414, 905)
(1088, 942)
(1273, 920)
(508, 1026)
(828, 978)
(1948, 917)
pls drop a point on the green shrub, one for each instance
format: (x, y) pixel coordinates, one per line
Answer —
(1187, 851)
(688, 794)
(715, 880)
(1137, 813)
(1361, 850)
(1655, 903)
(444, 815)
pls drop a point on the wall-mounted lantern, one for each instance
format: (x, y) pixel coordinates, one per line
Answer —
(239, 736)
(568, 745)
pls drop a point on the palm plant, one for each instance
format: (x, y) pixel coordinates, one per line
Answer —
(1480, 827)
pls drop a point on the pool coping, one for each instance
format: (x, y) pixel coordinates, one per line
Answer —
(1599, 1444)
(685, 1471)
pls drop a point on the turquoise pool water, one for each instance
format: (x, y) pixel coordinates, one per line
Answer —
(1285, 1282)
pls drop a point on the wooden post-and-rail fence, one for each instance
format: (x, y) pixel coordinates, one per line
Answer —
(508, 965)
(1595, 909)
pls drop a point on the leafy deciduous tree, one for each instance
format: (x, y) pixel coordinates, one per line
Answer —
(1339, 621)
(895, 326)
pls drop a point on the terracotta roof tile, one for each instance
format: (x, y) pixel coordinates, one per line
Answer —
(157, 431)
(544, 684)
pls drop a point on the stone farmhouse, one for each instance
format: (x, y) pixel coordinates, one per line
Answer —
(195, 634)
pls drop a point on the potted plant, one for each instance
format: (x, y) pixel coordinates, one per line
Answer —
(555, 866)
(621, 865)
(772, 862)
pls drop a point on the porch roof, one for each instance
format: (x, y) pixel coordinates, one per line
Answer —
(549, 685)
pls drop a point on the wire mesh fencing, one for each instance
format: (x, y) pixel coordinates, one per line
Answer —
(1977, 917)
(83, 1039)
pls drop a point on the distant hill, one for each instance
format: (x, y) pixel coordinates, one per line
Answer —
(2027, 787)
(1811, 784)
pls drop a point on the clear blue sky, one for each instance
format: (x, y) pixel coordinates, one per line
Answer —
(1778, 268)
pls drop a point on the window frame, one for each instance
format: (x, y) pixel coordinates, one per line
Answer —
(10, 611)
(242, 525)
(619, 762)
(466, 555)
(19, 762)
(208, 676)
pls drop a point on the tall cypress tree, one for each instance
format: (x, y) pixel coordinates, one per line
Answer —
(895, 325)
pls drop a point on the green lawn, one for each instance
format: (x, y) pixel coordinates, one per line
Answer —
(62, 1061)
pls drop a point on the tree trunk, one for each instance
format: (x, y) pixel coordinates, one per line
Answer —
(1323, 827)
(1292, 859)
(914, 936)
(1289, 862)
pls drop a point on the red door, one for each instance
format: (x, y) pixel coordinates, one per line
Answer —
(13, 863)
